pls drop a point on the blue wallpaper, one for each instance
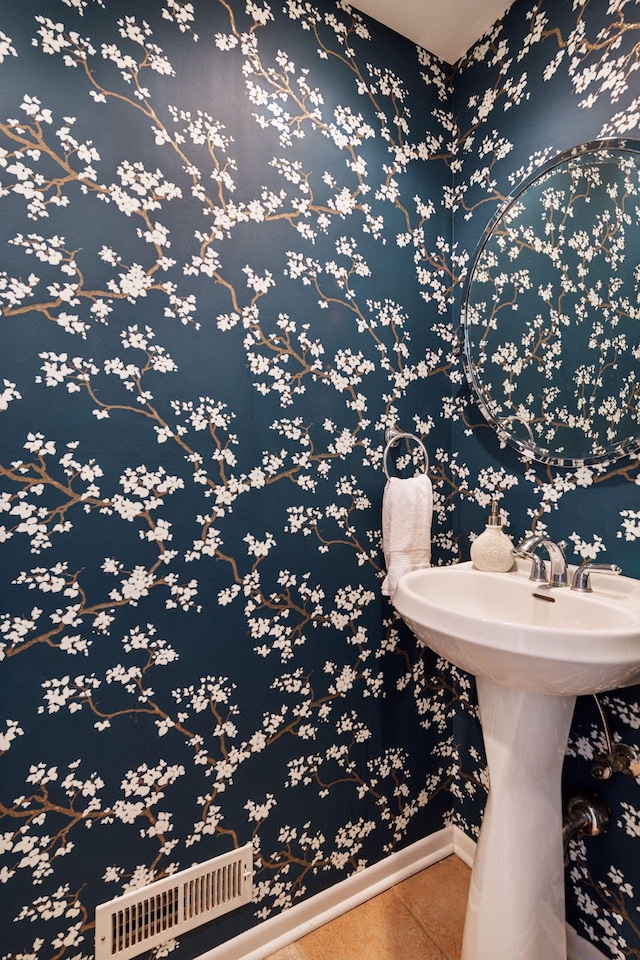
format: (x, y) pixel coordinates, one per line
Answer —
(225, 270)
(228, 263)
(547, 77)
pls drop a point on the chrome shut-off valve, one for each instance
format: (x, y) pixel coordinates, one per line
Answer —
(620, 759)
(617, 757)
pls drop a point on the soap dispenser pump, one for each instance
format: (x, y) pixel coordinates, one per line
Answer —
(493, 549)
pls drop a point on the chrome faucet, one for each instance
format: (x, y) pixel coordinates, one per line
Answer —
(538, 569)
(558, 562)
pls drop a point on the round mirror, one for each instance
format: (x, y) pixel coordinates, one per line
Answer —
(551, 309)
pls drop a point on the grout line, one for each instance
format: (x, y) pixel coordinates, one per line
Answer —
(417, 921)
(427, 933)
(397, 890)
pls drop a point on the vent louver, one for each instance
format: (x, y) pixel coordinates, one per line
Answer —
(146, 917)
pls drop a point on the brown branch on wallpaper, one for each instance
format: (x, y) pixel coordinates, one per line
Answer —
(280, 345)
(535, 349)
(85, 925)
(286, 855)
(85, 695)
(442, 264)
(80, 374)
(29, 809)
(52, 637)
(280, 84)
(353, 543)
(607, 40)
(70, 906)
(442, 480)
(41, 805)
(614, 901)
(30, 139)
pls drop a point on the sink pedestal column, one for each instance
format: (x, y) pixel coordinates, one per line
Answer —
(516, 901)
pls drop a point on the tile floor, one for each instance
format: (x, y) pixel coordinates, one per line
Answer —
(419, 919)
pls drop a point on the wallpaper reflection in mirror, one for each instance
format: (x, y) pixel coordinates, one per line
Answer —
(553, 313)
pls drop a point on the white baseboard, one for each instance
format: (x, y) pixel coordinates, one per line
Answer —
(293, 924)
(463, 846)
(581, 949)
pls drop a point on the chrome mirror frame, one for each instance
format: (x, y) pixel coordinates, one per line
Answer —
(514, 428)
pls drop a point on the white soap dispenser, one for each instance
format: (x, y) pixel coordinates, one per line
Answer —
(493, 549)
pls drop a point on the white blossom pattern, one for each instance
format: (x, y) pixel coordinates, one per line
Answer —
(229, 264)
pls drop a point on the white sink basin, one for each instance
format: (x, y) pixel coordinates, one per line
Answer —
(504, 628)
(532, 650)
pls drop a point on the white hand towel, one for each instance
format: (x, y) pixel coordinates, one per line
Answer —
(407, 508)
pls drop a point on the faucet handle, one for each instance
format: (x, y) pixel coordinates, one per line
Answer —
(581, 582)
(538, 570)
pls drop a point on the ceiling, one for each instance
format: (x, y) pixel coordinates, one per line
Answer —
(444, 27)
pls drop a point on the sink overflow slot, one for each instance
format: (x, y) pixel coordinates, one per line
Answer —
(541, 596)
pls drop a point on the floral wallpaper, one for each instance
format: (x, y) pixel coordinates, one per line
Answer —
(234, 237)
(546, 78)
(226, 269)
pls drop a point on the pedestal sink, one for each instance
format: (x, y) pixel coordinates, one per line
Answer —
(532, 651)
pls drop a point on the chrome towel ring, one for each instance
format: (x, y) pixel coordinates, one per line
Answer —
(393, 435)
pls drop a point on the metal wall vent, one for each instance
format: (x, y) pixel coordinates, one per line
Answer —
(145, 917)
